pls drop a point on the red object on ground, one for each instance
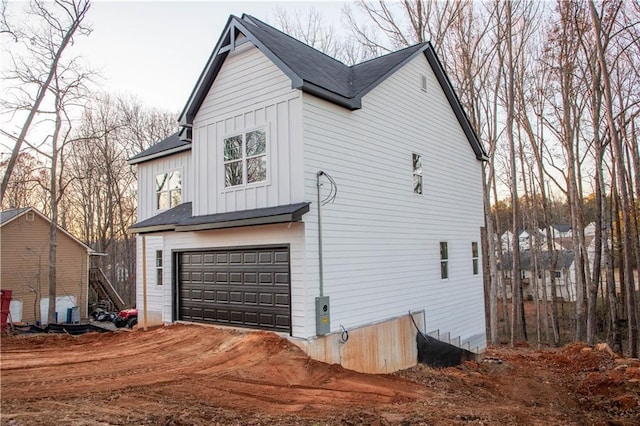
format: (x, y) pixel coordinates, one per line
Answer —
(4, 308)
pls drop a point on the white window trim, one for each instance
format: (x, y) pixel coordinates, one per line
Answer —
(421, 174)
(159, 268)
(446, 260)
(242, 132)
(155, 192)
(475, 260)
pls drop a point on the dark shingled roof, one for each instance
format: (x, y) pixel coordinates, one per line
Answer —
(165, 220)
(562, 227)
(318, 74)
(180, 218)
(7, 215)
(167, 146)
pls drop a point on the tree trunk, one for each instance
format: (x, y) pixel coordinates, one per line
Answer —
(619, 160)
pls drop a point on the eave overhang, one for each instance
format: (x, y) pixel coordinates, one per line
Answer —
(179, 219)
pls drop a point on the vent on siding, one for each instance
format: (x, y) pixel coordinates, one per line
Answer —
(30, 216)
(423, 82)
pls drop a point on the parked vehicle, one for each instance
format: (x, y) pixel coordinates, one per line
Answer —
(126, 318)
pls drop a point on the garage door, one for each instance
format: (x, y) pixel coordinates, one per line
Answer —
(240, 287)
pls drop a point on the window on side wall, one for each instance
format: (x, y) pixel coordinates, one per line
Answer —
(168, 190)
(417, 173)
(444, 260)
(159, 267)
(474, 257)
(245, 158)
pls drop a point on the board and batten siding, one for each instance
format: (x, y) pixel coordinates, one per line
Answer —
(147, 172)
(380, 240)
(291, 235)
(249, 92)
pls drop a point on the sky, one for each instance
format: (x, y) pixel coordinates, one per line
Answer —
(156, 50)
(153, 50)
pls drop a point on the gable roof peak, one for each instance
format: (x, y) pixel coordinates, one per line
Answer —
(317, 73)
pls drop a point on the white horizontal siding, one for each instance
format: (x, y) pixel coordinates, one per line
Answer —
(286, 234)
(147, 173)
(380, 240)
(249, 92)
(156, 294)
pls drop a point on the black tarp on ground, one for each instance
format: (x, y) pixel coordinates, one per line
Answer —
(73, 329)
(435, 353)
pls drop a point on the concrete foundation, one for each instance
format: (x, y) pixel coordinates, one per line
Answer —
(382, 347)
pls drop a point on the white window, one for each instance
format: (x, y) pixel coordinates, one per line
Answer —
(159, 267)
(444, 260)
(168, 190)
(245, 158)
(417, 174)
(474, 257)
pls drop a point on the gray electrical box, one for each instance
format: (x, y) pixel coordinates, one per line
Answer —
(323, 323)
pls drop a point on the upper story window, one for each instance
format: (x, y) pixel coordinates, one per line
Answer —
(168, 190)
(417, 174)
(245, 158)
(474, 257)
(444, 260)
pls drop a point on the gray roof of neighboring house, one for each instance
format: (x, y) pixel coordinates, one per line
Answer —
(180, 218)
(564, 260)
(564, 228)
(318, 74)
(7, 215)
(170, 145)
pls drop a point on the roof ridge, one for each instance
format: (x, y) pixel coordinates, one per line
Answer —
(253, 18)
(390, 53)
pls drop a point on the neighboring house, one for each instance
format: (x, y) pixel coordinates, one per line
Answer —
(537, 275)
(561, 230)
(229, 225)
(24, 254)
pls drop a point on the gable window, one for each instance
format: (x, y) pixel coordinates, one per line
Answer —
(245, 158)
(159, 267)
(444, 260)
(474, 257)
(168, 190)
(417, 174)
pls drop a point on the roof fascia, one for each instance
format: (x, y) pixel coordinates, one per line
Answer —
(455, 103)
(267, 220)
(150, 229)
(349, 103)
(160, 154)
(205, 74)
(217, 58)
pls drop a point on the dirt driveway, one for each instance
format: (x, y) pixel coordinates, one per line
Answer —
(195, 375)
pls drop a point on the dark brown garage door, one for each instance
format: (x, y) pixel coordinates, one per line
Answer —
(240, 287)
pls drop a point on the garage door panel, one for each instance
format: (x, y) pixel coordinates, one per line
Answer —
(243, 287)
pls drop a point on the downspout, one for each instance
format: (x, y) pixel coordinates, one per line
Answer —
(320, 268)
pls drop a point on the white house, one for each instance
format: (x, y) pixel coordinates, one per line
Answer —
(228, 208)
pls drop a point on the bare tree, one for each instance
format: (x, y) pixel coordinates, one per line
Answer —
(45, 43)
(601, 40)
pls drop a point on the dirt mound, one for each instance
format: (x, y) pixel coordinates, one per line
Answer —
(202, 375)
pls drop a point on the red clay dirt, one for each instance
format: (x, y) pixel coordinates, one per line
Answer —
(193, 375)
